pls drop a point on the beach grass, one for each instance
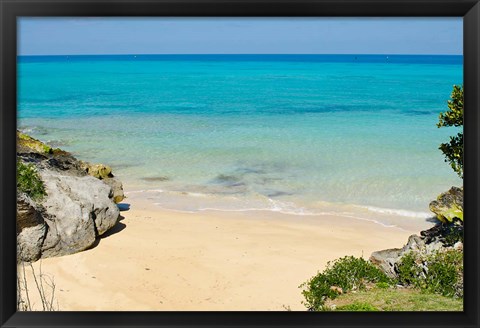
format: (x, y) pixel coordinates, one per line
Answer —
(394, 299)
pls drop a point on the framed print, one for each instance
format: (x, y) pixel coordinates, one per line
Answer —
(226, 163)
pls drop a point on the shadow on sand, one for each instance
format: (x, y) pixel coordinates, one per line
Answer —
(114, 230)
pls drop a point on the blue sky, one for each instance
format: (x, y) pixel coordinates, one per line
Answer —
(289, 35)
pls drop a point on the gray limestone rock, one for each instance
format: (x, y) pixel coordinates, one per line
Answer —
(78, 209)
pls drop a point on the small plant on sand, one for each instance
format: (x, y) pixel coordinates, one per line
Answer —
(453, 150)
(342, 275)
(29, 182)
(43, 289)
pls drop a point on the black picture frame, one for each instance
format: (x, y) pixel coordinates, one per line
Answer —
(10, 10)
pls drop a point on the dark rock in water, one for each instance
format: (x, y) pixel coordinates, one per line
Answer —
(250, 170)
(278, 193)
(76, 209)
(155, 179)
(227, 185)
(226, 179)
(449, 205)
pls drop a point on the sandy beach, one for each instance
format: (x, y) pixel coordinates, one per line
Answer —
(165, 260)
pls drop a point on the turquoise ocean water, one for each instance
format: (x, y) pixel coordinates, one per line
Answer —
(293, 133)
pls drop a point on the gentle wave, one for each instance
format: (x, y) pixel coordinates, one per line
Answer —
(404, 213)
(285, 207)
(142, 191)
(288, 208)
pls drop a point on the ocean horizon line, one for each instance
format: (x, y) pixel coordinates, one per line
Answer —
(325, 58)
(240, 54)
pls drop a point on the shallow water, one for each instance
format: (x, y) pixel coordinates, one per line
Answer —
(283, 133)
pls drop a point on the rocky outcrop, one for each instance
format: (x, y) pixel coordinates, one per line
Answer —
(449, 205)
(79, 204)
(31, 228)
(116, 189)
(447, 234)
(388, 259)
(99, 171)
(78, 210)
(27, 143)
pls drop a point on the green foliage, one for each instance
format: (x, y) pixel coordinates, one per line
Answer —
(453, 150)
(394, 299)
(445, 269)
(34, 144)
(383, 285)
(345, 274)
(357, 306)
(29, 182)
(453, 234)
(443, 274)
(409, 270)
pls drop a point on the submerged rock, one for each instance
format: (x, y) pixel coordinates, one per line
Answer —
(156, 179)
(449, 205)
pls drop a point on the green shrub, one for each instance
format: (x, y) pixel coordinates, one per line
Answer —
(453, 150)
(443, 274)
(453, 234)
(409, 270)
(357, 306)
(383, 285)
(445, 269)
(29, 182)
(347, 273)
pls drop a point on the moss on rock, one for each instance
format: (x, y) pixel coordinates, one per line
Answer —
(99, 171)
(32, 144)
(449, 205)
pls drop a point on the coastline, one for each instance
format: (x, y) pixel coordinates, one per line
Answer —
(159, 260)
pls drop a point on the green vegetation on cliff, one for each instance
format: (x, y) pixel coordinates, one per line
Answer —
(340, 276)
(32, 143)
(443, 274)
(29, 181)
(361, 286)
